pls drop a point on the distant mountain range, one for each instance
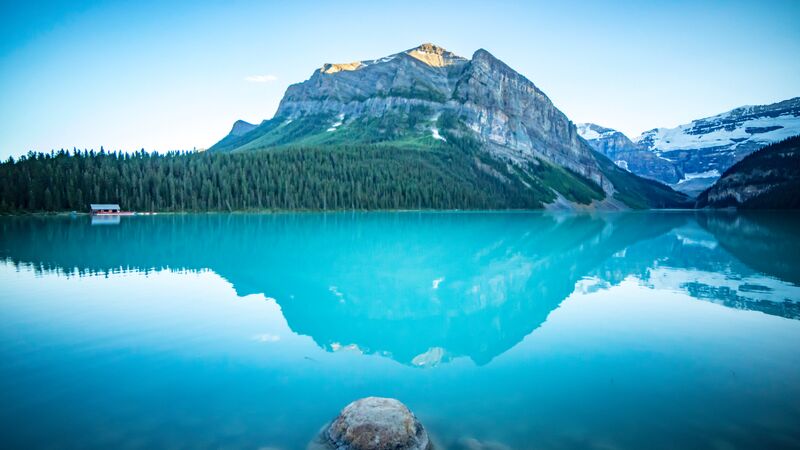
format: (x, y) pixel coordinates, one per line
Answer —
(691, 157)
(434, 102)
(630, 156)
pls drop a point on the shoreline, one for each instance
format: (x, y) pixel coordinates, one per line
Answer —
(341, 211)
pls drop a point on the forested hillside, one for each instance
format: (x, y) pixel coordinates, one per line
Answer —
(766, 179)
(346, 177)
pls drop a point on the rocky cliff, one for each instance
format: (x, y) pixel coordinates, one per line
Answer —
(506, 111)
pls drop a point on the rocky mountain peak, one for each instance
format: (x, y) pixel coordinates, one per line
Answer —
(429, 54)
(241, 127)
(483, 61)
(482, 56)
(430, 48)
(591, 131)
(482, 53)
(434, 56)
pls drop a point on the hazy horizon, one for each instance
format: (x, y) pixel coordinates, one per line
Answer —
(167, 76)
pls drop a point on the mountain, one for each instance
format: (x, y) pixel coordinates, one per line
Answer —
(434, 102)
(706, 147)
(628, 155)
(240, 127)
(766, 179)
(691, 157)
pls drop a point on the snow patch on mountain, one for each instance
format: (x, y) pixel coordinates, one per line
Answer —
(692, 156)
(590, 131)
(707, 174)
(746, 126)
(685, 137)
(337, 124)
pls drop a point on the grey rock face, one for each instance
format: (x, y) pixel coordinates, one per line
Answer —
(376, 423)
(240, 128)
(517, 119)
(507, 113)
(420, 76)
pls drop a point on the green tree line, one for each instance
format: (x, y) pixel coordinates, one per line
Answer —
(346, 177)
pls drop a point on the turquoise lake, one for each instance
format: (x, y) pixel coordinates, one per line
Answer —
(639, 330)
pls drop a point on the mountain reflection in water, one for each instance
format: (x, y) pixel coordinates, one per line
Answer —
(423, 288)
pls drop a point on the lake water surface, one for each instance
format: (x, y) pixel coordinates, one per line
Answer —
(641, 330)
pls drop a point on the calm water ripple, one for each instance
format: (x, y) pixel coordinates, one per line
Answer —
(500, 330)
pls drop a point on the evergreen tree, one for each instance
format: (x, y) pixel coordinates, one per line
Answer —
(330, 178)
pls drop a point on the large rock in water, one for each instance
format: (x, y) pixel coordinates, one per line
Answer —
(375, 423)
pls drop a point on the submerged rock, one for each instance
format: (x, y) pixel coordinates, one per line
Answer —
(375, 423)
(474, 444)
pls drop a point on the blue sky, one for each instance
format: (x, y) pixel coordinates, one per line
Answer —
(166, 75)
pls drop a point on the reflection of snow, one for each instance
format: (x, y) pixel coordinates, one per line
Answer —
(337, 347)
(750, 288)
(430, 358)
(335, 291)
(266, 337)
(587, 285)
(709, 244)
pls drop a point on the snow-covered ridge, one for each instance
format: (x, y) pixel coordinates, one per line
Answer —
(692, 156)
(590, 131)
(745, 126)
